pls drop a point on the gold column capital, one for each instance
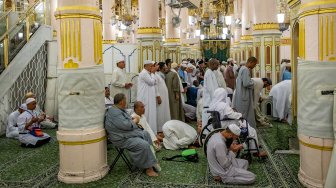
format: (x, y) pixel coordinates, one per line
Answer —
(109, 41)
(265, 26)
(149, 30)
(246, 37)
(172, 40)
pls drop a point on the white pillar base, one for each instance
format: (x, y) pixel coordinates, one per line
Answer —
(82, 155)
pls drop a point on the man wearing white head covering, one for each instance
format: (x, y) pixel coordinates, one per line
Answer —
(12, 130)
(211, 83)
(221, 155)
(175, 88)
(229, 116)
(29, 121)
(178, 135)
(119, 82)
(147, 93)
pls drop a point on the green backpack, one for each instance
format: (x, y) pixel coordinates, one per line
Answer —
(188, 155)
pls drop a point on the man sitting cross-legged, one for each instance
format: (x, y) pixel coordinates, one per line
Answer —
(221, 155)
(124, 133)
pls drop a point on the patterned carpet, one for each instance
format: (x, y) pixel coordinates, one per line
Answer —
(21, 167)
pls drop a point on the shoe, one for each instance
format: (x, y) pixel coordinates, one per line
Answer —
(157, 167)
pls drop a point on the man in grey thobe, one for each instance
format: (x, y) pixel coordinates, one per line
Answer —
(243, 99)
(124, 133)
(221, 159)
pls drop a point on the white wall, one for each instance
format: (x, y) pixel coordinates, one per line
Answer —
(114, 52)
(285, 50)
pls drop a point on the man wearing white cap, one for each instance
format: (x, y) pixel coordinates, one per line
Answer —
(29, 126)
(118, 82)
(221, 155)
(147, 93)
(12, 130)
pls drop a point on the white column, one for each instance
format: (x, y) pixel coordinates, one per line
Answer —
(81, 134)
(109, 31)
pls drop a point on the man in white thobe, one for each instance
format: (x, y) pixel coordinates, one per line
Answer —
(12, 130)
(108, 100)
(211, 83)
(259, 84)
(223, 164)
(139, 110)
(178, 135)
(163, 110)
(147, 93)
(281, 94)
(119, 82)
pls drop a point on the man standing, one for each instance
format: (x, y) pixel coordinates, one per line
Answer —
(221, 155)
(147, 93)
(259, 84)
(118, 83)
(229, 75)
(244, 92)
(124, 133)
(210, 85)
(163, 112)
(174, 87)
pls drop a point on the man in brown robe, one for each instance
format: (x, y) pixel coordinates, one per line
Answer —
(174, 87)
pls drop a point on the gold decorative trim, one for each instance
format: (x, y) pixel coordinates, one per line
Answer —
(246, 37)
(293, 2)
(149, 30)
(171, 40)
(78, 15)
(76, 143)
(109, 41)
(317, 11)
(323, 148)
(75, 8)
(265, 26)
(286, 41)
(302, 38)
(321, 38)
(317, 3)
(54, 33)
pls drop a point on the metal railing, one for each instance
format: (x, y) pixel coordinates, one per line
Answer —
(19, 27)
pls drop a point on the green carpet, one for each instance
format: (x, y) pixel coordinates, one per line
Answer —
(22, 167)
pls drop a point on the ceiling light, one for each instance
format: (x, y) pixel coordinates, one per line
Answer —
(281, 17)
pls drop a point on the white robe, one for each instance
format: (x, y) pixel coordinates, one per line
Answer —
(210, 85)
(163, 111)
(178, 135)
(25, 137)
(257, 88)
(144, 124)
(108, 103)
(12, 130)
(223, 162)
(147, 95)
(118, 82)
(281, 104)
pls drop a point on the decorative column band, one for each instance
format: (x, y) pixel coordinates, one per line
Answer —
(265, 26)
(246, 37)
(171, 40)
(76, 143)
(149, 30)
(78, 15)
(317, 11)
(109, 41)
(323, 148)
(317, 3)
(285, 41)
(76, 8)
